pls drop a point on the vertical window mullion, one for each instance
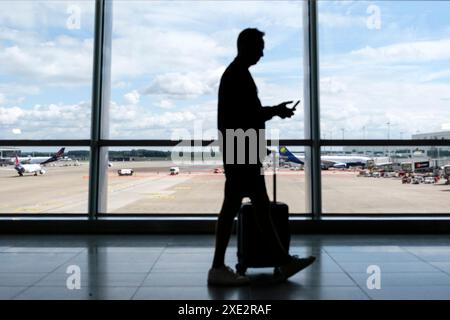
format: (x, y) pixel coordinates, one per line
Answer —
(100, 106)
(312, 114)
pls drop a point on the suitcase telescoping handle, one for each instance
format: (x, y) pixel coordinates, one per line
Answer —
(274, 155)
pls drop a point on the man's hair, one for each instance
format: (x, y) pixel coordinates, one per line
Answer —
(249, 38)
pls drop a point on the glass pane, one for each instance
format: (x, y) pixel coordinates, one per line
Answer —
(46, 52)
(184, 181)
(290, 179)
(168, 58)
(43, 180)
(384, 69)
(386, 180)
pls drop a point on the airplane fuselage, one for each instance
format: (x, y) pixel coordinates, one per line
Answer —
(29, 168)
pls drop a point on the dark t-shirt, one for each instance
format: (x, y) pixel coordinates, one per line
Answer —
(240, 108)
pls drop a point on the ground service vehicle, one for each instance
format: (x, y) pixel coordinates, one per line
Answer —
(125, 172)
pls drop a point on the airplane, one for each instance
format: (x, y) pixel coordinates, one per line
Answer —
(326, 161)
(42, 160)
(28, 168)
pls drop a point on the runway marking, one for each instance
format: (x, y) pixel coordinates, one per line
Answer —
(27, 209)
(160, 196)
(183, 188)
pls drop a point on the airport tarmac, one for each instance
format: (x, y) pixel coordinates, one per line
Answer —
(198, 190)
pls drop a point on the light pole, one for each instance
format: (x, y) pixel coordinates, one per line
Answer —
(389, 130)
(331, 138)
(389, 137)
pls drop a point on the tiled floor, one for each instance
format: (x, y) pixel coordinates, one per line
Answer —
(175, 267)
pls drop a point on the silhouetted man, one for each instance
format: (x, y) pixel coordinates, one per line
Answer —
(240, 110)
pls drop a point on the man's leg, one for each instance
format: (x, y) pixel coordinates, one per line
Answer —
(230, 207)
(261, 204)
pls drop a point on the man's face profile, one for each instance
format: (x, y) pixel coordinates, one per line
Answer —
(257, 52)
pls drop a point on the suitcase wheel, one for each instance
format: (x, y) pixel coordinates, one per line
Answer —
(240, 269)
(276, 271)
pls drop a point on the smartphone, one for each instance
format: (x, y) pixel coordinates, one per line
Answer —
(295, 105)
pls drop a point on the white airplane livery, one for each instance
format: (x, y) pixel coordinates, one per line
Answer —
(28, 168)
(326, 161)
(42, 160)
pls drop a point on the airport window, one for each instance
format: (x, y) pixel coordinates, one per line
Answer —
(45, 94)
(387, 179)
(45, 69)
(167, 60)
(44, 180)
(384, 77)
(168, 57)
(146, 75)
(384, 69)
(151, 181)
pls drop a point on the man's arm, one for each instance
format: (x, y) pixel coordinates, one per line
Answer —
(268, 113)
(279, 110)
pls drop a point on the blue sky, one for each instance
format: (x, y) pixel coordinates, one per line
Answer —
(167, 58)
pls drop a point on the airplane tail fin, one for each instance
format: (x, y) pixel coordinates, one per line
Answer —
(17, 162)
(284, 152)
(55, 157)
(60, 152)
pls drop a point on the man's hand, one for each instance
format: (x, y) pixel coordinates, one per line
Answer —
(283, 111)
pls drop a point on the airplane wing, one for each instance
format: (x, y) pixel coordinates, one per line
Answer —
(328, 162)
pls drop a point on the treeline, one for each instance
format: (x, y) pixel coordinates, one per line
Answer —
(84, 154)
(125, 154)
(139, 153)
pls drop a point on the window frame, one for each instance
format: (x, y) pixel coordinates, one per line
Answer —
(312, 142)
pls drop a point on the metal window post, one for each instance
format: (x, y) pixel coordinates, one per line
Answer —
(100, 106)
(312, 115)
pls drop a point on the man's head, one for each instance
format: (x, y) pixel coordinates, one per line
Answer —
(250, 45)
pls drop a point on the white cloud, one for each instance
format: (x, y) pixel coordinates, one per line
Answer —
(10, 115)
(408, 106)
(19, 89)
(120, 84)
(138, 122)
(417, 51)
(331, 85)
(132, 97)
(144, 50)
(334, 20)
(165, 104)
(2, 98)
(187, 85)
(43, 14)
(65, 60)
(16, 131)
(439, 75)
(165, 37)
(47, 121)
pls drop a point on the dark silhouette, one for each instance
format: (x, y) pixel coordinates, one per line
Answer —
(240, 108)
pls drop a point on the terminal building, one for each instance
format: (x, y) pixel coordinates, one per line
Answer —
(440, 135)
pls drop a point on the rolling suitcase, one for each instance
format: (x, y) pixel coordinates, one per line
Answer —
(252, 250)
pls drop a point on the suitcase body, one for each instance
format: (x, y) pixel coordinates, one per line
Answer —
(252, 249)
